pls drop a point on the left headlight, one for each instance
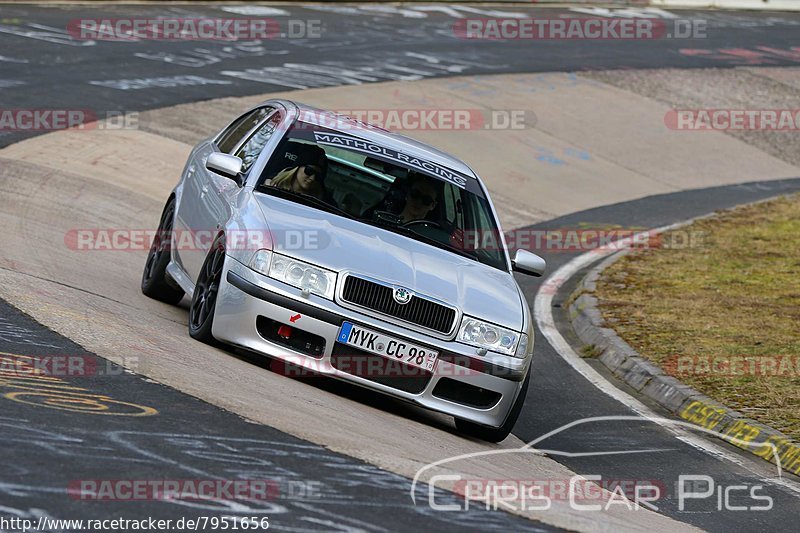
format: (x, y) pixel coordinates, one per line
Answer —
(485, 335)
(303, 275)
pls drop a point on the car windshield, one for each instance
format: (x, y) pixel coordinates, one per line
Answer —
(348, 176)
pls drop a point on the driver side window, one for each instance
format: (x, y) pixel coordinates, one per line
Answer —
(240, 127)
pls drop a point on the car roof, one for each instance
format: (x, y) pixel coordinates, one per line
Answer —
(378, 135)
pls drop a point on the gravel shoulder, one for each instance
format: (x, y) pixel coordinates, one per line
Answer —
(737, 88)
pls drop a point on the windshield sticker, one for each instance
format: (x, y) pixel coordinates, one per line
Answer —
(360, 145)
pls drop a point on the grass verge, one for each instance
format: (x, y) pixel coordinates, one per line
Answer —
(722, 315)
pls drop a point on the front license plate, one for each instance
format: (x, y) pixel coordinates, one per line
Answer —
(388, 347)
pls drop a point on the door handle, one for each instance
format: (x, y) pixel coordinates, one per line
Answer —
(203, 191)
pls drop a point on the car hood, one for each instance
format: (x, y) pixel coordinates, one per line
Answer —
(343, 244)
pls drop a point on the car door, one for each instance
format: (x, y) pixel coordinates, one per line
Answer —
(219, 199)
(205, 201)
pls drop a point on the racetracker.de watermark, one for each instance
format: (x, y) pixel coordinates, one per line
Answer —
(136, 240)
(593, 28)
(192, 29)
(733, 119)
(66, 119)
(173, 489)
(195, 489)
(383, 368)
(61, 365)
(578, 240)
(421, 119)
(774, 366)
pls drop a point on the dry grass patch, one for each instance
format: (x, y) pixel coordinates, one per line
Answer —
(723, 317)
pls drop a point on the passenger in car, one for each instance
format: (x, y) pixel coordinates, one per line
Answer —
(308, 176)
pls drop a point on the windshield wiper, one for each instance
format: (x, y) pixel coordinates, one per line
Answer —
(306, 199)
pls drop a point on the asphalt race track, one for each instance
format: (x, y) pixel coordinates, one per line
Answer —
(47, 450)
(41, 63)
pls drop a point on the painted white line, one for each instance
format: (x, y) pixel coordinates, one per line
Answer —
(543, 313)
(761, 5)
(256, 11)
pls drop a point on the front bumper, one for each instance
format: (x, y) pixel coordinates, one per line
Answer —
(462, 384)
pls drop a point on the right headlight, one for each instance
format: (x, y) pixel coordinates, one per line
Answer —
(303, 275)
(491, 337)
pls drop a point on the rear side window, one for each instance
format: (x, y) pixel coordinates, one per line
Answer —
(250, 150)
(240, 127)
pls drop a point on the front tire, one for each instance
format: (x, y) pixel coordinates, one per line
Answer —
(204, 299)
(156, 282)
(490, 434)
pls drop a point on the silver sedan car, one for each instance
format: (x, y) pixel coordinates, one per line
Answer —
(337, 248)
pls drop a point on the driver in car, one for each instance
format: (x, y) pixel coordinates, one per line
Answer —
(421, 198)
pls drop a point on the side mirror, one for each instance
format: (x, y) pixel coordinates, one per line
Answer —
(528, 263)
(226, 165)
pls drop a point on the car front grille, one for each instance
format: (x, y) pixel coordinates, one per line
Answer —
(380, 298)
